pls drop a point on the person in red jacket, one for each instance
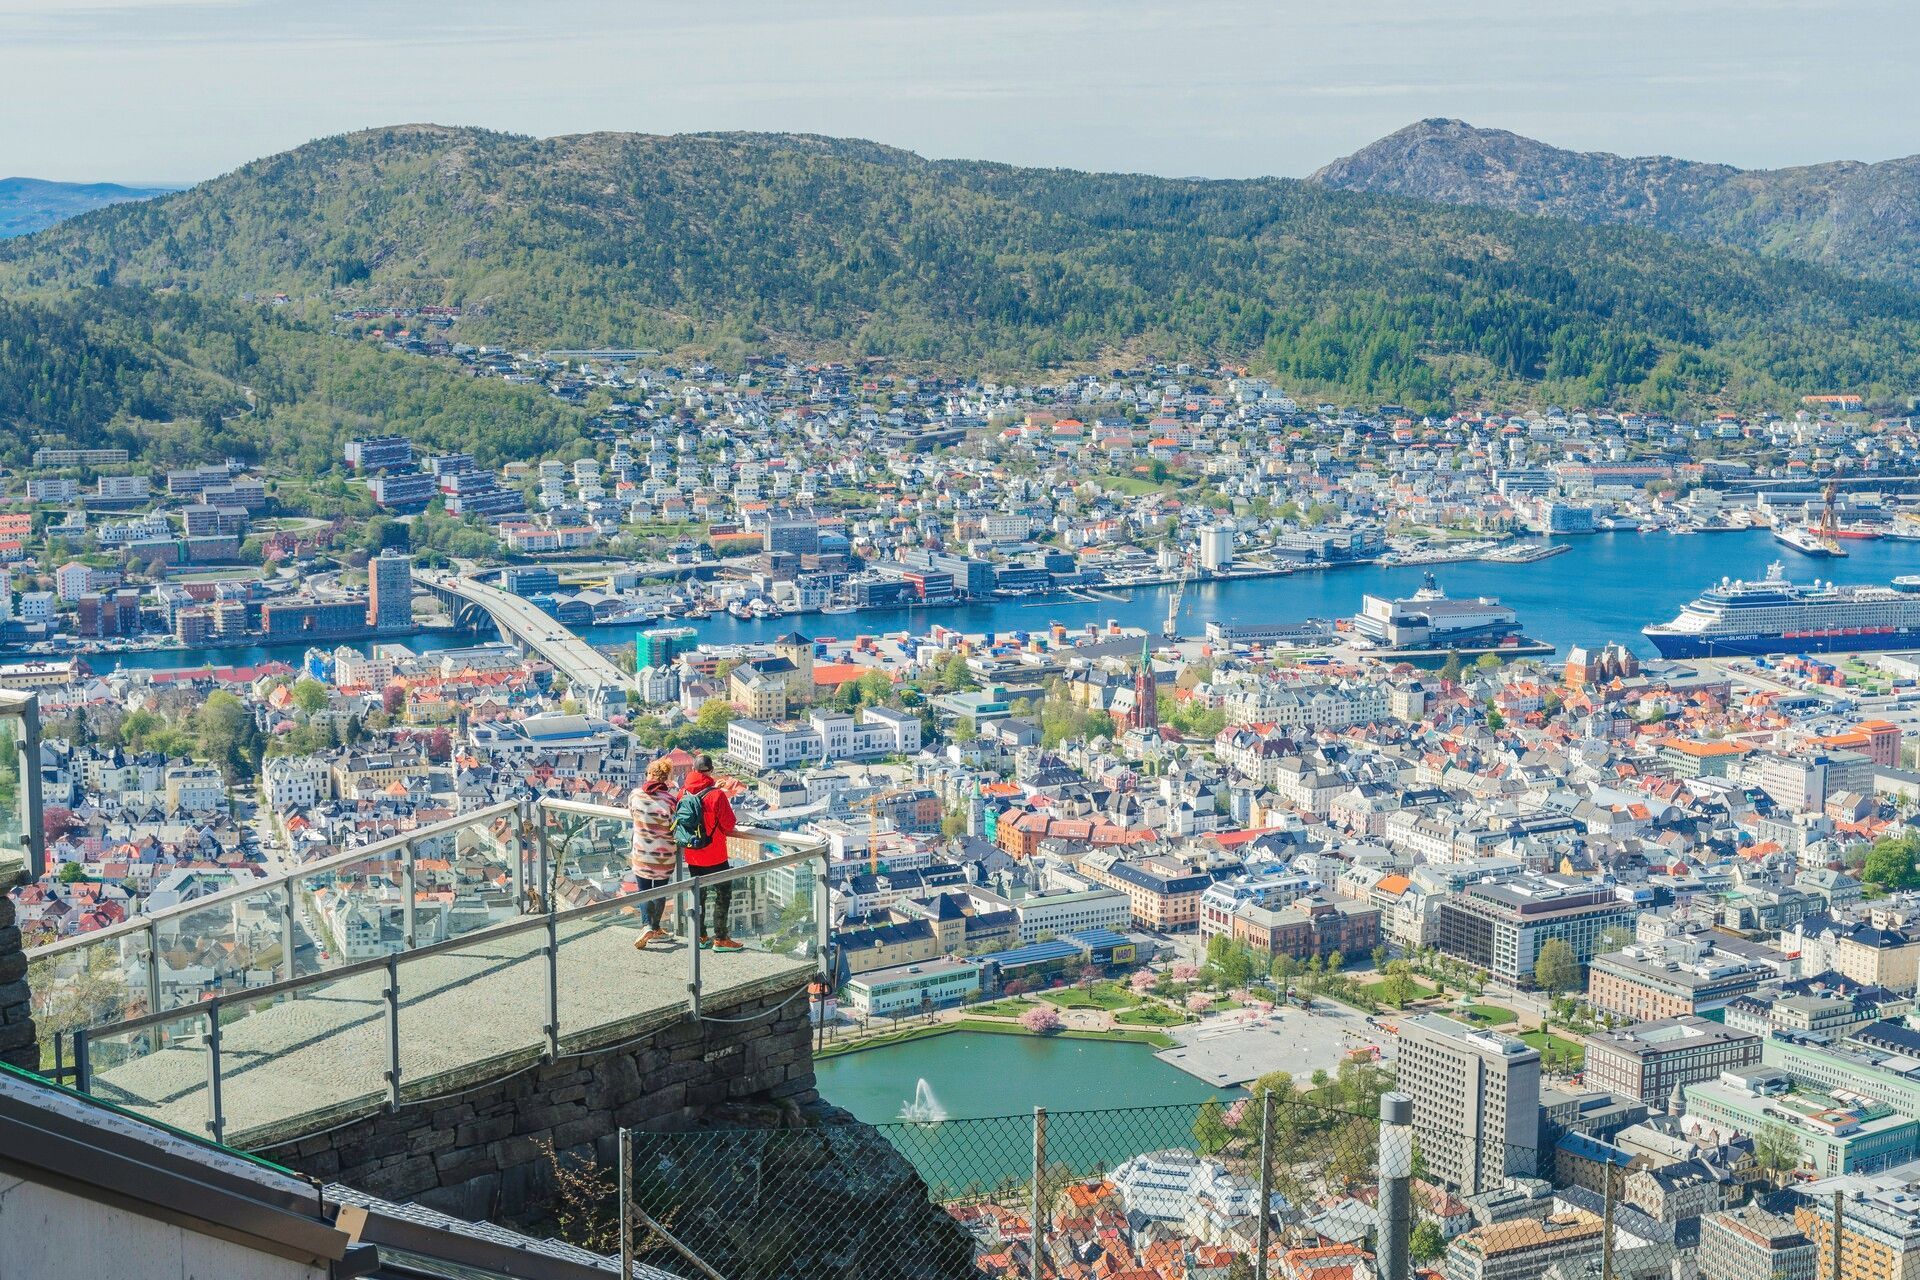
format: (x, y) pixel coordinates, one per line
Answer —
(710, 857)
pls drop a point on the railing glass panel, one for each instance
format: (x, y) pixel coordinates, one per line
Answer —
(226, 946)
(159, 1070)
(476, 1008)
(352, 911)
(87, 986)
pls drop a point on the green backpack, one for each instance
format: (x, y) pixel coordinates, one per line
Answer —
(690, 820)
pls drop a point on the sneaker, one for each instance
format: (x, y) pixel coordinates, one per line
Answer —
(728, 944)
(706, 943)
(640, 943)
(655, 935)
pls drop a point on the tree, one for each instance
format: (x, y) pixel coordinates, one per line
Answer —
(1776, 1150)
(1210, 1131)
(1451, 669)
(1041, 1020)
(225, 727)
(1555, 969)
(393, 699)
(1426, 1243)
(1487, 662)
(1890, 861)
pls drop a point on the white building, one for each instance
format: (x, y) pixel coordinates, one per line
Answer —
(1166, 1185)
(1061, 913)
(824, 736)
(1216, 548)
(191, 788)
(908, 988)
(296, 782)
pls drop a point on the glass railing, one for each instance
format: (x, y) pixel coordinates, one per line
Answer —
(460, 953)
(21, 849)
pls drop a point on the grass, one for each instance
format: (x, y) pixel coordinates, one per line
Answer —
(1416, 990)
(1011, 1008)
(1126, 1035)
(834, 1049)
(1152, 1015)
(1566, 1053)
(1102, 995)
(1483, 1015)
(1133, 486)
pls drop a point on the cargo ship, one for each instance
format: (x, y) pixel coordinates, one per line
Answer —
(1736, 618)
(1808, 542)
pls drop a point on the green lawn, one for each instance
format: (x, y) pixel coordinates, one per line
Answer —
(1010, 1008)
(1151, 1015)
(1416, 990)
(1563, 1048)
(1482, 1015)
(1102, 995)
(1133, 486)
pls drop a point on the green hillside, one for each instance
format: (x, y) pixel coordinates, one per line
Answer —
(814, 246)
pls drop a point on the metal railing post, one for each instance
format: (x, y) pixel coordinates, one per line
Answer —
(625, 1192)
(216, 1115)
(520, 856)
(1396, 1185)
(1263, 1237)
(1839, 1215)
(82, 1063)
(153, 966)
(1037, 1233)
(694, 906)
(1606, 1222)
(393, 1032)
(553, 988)
(286, 930)
(542, 846)
(408, 894)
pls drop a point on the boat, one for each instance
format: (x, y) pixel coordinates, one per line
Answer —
(1807, 542)
(1747, 619)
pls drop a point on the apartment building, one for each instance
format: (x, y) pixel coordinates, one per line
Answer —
(1677, 978)
(1163, 893)
(1835, 1135)
(1476, 1101)
(823, 736)
(1882, 950)
(1879, 1226)
(1649, 1061)
(1525, 1248)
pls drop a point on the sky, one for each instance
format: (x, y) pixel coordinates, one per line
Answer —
(173, 91)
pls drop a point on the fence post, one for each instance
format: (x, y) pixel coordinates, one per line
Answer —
(82, 1063)
(1606, 1222)
(1396, 1184)
(407, 888)
(518, 839)
(393, 1031)
(1839, 1213)
(1037, 1232)
(626, 1201)
(216, 1116)
(553, 988)
(286, 931)
(153, 966)
(1264, 1237)
(695, 907)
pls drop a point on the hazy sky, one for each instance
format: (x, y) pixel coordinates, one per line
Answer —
(177, 90)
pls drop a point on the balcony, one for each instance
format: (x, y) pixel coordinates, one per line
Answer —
(457, 954)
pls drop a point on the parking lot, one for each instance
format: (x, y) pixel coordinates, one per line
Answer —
(1237, 1048)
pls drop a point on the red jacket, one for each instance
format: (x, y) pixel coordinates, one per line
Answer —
(720, 821)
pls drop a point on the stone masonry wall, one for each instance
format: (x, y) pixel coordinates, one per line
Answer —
(18, 1044)
(479, 1154)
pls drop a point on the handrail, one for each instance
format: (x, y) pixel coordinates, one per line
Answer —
(144, 922)
(526, 924)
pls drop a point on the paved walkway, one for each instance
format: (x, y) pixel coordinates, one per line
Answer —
(295, 1064)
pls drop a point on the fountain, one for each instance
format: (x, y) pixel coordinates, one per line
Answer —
(925, 1108)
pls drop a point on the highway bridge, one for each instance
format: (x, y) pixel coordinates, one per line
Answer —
(593, 678)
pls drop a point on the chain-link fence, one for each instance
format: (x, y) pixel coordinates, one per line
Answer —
(1241, 1189)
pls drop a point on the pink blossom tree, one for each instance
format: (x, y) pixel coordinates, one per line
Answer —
(1199, 1002)
(1185, 972)
(1142, 981)
(1042, 1020)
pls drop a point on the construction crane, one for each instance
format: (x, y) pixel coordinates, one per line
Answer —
(872, 805)
(1171, 627)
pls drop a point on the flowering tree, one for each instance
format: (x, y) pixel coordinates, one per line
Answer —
(1042, 1019)
(1142, 981)
(1199, 1002)
(1184, 972)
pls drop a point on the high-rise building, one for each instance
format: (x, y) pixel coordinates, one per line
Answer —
(1476, 1101)
(390, 594)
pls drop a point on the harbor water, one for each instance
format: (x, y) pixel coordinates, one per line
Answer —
(1604, 588)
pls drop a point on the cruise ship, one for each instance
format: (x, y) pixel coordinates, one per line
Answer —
(1773, 615)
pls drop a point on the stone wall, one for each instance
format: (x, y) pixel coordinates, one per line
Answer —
(18, 1043)
(481, 1154)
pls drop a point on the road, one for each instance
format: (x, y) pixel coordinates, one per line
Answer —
(584, 666)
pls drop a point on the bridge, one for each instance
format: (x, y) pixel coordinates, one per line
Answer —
(443, 962)
(597, 682)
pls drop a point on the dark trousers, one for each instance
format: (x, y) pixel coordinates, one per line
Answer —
(653, 911)
(722, 896)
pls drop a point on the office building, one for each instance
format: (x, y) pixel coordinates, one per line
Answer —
(1679, 977)
(1501, 927)
(1476, 1101)
(1835, 1135)
(1751, 1244)
(390, 591)
(1648, 1061)
(1879, 1226)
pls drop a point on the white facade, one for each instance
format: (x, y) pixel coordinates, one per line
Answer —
(824, 736)
(296, 782)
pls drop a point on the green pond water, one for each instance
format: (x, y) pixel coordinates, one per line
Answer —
(960, 1106)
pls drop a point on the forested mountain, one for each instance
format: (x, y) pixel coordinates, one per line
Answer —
(835, 248)
(1853, 217)
(32, 204)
